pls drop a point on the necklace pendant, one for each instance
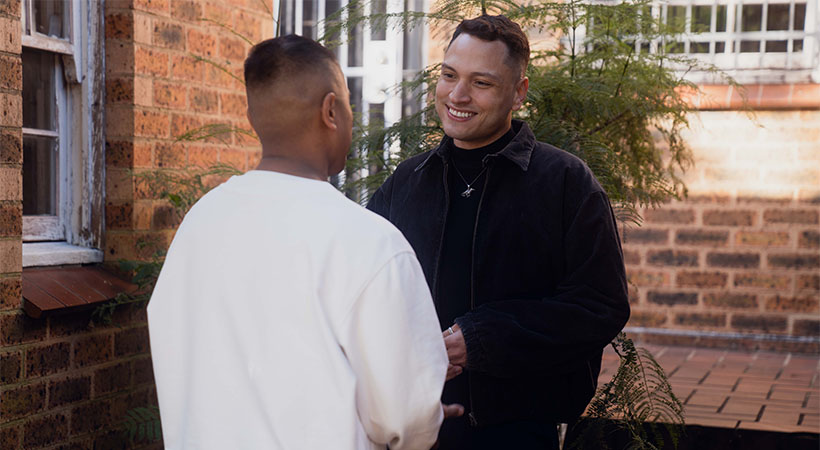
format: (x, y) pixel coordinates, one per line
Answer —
(467, 192)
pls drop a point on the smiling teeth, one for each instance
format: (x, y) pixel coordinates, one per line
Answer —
(463, 115)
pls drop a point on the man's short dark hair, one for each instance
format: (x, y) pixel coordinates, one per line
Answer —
(498, 28)
(285, 56)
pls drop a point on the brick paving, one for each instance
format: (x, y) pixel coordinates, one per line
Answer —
(777, 392)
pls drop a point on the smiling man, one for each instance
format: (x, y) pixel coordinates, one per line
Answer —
(519, 246)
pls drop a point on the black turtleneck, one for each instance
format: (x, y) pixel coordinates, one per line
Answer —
(455, 265)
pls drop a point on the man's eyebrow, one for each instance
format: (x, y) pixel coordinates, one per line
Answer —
(475, 74)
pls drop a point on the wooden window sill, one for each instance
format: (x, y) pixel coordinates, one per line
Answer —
(47, 290)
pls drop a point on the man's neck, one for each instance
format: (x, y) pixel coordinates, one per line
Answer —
(292, 166)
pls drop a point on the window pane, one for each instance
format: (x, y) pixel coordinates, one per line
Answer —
(776, 46)
(699, 47)
(331, 6)
(721, 18)
(701, 18)
(39, 100)
(378, 32)
(676, 17)
(749, 46)
(751, 18)
(51, 17)
(720, 47)
(799, 16)
(39, 175)
(797, 45)
(778, 17)
(309, 11)
(355, 44)
(354, 84)
(675, 47)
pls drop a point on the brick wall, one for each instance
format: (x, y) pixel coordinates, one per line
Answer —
(157, 90)
(65, 381)
(742, 253)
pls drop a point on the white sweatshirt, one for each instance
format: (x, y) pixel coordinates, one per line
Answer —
(288, 317)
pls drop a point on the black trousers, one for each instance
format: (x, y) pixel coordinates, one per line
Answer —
(457, 434)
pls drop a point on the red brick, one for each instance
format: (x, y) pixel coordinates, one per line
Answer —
(794, 261)
(143, 370)
(233, 105)
(701, 279)
(17, 328)
(646, 319)
(151, 62)
(143, 154)
(112, 378)
(672, 298)
(47, 360)
(632, 257)
(168, 35)
(218, 13)
(11, 73)
(791, 216)
(762, 238)
(730, 300)
(728, 218)
(758, 322)
(22, 401)
(248, 25)
(12, 8)
(647, 278)
(119, 90)
(69, 390)
(676, 258)
(90, 417)
(154, 6)
(173, 95)
(762, 280)
(702, 237)
(676, 216)
(11, 110)
(11, 219)
(11, 146)
(809, 239)
(119, 154)
(92, 349)
(232, 49)
(793, 304)
(186, 68)
(187, 10)
(808, 282)
(11, 368)
(216, 77)
(70, 324)
(170, 155)
(46, 430)
(234, 158)
(701, 319)
(10, 436)
(119, 26)
(118, 215)
(131, 341)
(151, 124)
(11, 292)
(645, 236)
(737, 260)
(204, 101)
(202, 156)
(181, 125)
(202, 44)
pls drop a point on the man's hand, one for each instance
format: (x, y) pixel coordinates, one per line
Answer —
(456, 348)
(453, 371)
(452, 410)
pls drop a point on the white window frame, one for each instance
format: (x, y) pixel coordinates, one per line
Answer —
(74, 234)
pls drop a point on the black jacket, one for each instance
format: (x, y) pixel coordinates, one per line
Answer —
(548, 282)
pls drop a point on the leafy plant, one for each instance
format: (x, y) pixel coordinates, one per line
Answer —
(638, 399)
(142, 424)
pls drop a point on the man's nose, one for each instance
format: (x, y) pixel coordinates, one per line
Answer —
(460, 93)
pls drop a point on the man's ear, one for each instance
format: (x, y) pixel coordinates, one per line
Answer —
(521, 93)
(328, 110)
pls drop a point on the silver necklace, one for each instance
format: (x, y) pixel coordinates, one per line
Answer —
(469, 189)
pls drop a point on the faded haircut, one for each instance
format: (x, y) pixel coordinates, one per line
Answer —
(498, 28)
(288, 57)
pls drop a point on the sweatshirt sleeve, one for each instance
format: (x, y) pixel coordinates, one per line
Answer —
(392, 339)
(588, 309)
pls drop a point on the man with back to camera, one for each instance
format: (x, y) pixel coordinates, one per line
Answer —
(285, 315)
(519, 246)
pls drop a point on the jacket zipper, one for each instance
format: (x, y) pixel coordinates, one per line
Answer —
(441, 238)
(471, 416)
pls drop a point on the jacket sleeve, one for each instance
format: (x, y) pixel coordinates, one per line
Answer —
(588, 309)
(392, 340)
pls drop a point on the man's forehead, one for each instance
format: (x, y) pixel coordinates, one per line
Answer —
(462, 56)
